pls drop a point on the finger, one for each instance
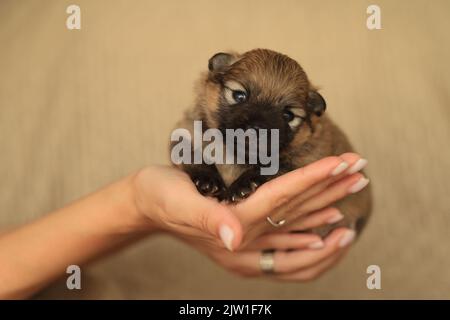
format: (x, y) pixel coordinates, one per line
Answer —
(355, 162)
(288, 262)
(278, 191)
(284, 241)
(315, 219)
(215, 219)
(327, 197)
(351, 184)
(314, 272)
(245, 263)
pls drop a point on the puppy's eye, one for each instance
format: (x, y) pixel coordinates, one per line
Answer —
(288, 115)
(235, 92)
(293, 119)
(239, 96)
(235, 96)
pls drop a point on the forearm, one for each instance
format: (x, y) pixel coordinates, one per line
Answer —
(33, 255)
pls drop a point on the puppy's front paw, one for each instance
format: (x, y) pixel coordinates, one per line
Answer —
(243, 187)
(209, 185)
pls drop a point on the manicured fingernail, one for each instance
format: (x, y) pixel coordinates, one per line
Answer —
(347, 238)
(337, 217)
(358, 186)
(357, 166)
(340, 168)
(226, 235)
(317, 245)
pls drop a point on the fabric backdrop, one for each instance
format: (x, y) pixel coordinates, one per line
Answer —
(80, 108)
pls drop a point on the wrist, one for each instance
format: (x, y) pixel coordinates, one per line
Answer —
(130, 217)
(148, 202)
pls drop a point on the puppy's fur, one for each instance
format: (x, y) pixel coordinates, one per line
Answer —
(265, 89)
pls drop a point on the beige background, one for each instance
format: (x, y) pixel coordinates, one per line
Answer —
(82, 108)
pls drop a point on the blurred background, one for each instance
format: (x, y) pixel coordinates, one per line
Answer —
(81, 108)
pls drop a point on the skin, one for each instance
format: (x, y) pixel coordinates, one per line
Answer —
(142, 204)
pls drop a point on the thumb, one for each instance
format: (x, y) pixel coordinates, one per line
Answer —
(218, 220)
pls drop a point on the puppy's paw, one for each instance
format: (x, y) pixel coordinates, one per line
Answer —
(209, 185)
(243, 187)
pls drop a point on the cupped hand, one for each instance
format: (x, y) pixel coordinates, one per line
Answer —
(299, 193)
(297, 256)
(168, 198)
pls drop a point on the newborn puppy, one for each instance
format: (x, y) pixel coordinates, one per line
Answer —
(263, 89)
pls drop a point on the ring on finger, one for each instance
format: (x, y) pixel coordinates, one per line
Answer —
(276, 224)
(267, 261)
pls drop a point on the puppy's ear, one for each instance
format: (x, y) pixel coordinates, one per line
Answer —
(221, 60)
(315, 103)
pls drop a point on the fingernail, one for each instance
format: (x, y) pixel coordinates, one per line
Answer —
(226, 235)
(337, 217)
(360, 164)
(316, 245)
(358, 186)
(347, 238)
(340, 168)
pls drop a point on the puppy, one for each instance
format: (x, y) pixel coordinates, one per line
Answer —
(263, 89)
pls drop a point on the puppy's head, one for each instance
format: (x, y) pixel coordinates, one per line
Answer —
(260, 89)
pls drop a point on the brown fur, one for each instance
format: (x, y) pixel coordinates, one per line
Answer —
(277, 81)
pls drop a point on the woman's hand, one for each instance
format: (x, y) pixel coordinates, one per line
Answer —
(170, 201)
(299, 193)
(297, 256)
(164, 198)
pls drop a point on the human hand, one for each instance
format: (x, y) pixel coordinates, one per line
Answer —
(170, 201)
(296, 256)
(300, 192)
(167, 197)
